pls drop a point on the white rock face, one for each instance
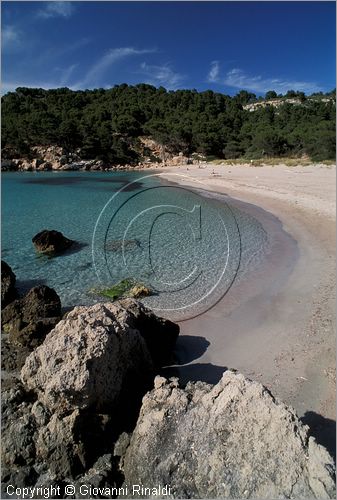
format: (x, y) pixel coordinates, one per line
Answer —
(231, 440)
(89, 360)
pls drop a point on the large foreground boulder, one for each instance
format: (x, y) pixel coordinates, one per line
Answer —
(29, 319)
(51, 242)
(231, 440)
(8, 291)
(95, 358)
(160, 334)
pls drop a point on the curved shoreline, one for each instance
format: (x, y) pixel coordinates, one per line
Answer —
(283, 333)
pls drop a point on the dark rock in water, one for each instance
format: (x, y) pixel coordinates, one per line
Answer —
(28, 320)
(159, 334)
(40, 302)
(8, 291)
(51, 242)
(230, 440)
(119, 245)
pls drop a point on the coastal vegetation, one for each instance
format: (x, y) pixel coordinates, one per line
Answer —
(106, 124)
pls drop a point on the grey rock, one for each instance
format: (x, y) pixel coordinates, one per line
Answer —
(121, 444)
(18, 431)
(40, 413)
(19, 477)
(101, 478)
(70, 444)
(160, 334)
(231, 440)
(94, 358)
(58, 446)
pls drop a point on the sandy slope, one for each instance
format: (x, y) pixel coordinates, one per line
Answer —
(280, 327)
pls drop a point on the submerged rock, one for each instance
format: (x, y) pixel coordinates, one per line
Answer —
(119, 245)
(51, 242)
(28, 320)
(138, 291)
(8, 291)
(231, 440)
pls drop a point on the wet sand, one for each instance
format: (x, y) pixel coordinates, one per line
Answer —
(278, 324)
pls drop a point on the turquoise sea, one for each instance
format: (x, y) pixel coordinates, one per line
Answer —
(188, 248)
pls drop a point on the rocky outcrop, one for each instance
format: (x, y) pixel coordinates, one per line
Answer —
(29, 319)
(51, 242)
(80, 389)
(44, 158)
(231, 440)
(18, 430)
(13, 357)
(8, 291)
(160, 334)
(98, 357)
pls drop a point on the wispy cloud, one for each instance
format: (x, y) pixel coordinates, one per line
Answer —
(237, 78)
(96, 72)
(162, 75)
(213, 75)
(67, 73)
(10, 37)
(56, 9)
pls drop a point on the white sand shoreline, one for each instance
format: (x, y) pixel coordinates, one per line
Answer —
(285, 338)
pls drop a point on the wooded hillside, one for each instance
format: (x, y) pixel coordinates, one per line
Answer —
(105, 124)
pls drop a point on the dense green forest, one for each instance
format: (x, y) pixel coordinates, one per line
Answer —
(106, 124)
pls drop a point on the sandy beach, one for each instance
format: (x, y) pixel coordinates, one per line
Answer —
(278, 326)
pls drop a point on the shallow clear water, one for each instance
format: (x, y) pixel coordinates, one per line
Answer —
(188, 248)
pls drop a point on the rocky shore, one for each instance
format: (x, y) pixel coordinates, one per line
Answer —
(84, 404)
(47, 158)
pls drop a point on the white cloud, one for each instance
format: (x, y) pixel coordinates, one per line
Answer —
(10, 37)
(56, 9)
(161, 75)
(213, 75)
(96, 72)
(239, 79)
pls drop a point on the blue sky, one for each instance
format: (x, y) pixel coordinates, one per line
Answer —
(223, 46)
